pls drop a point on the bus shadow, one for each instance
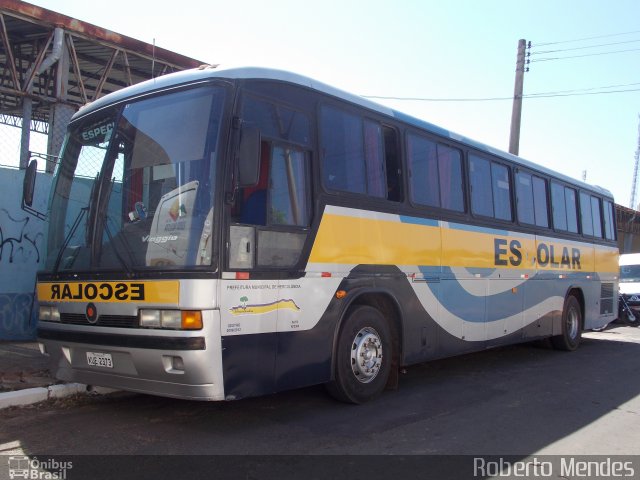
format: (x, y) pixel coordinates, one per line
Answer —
(516, 400)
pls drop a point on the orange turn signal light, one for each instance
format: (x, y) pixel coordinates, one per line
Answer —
(340, 294)
(191, 320)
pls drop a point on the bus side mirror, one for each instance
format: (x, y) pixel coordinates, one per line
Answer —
(28, 190)
(29, 185)
(249, 157)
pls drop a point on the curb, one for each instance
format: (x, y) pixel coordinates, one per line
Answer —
(30, 396)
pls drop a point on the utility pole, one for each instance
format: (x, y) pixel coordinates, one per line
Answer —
(634, 178)
(516, 113)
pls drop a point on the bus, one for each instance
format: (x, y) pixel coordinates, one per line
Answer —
(217, 233)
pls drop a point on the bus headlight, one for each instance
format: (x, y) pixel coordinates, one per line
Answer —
(171, 319)
(150, 318)
(48, 314)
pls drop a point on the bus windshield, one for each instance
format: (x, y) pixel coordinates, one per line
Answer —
(135, 186)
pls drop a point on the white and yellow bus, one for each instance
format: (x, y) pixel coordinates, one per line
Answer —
(222, 233)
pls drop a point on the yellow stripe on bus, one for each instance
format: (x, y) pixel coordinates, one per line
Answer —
(353, 240)
(365, 241)
(119, 292)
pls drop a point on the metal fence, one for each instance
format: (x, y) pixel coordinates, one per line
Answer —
(39, 147)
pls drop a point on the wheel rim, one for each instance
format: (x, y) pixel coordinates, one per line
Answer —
(573, 323)
(366, 355)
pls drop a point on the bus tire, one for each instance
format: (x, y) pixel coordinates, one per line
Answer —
(571, 334)
(363, 356)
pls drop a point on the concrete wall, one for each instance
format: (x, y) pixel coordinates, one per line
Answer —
(22, 248)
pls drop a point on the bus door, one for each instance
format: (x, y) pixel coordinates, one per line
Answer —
(268, 231)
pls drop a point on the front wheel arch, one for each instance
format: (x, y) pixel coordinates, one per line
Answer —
(387, 304)
(363, 356)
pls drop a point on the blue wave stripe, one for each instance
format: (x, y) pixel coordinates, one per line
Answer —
(419, 221)
(454, 298)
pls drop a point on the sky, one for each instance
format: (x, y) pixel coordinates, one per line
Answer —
(447, 53)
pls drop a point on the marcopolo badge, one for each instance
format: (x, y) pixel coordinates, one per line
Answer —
(91, 313)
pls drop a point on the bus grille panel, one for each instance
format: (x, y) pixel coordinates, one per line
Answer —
(123, 321)
(606, 298)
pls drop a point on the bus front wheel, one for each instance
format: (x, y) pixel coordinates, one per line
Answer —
(363, 356)
(571, 334)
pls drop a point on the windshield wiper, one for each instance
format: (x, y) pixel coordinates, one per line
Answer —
(88, 230)
(102, 220)
(67, 239)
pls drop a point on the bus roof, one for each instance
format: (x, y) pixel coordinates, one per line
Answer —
(235, 73)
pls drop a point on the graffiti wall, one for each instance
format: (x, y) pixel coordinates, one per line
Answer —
(22, 239)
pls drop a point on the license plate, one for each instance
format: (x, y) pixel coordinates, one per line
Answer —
(99, 359)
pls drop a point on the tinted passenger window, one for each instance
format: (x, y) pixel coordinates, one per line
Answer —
(450, 174)
(423, 165)
(565, 208)
(559, 207)
(359, 155)
(481, 192)
(585, 214)
(572, 215)
(524, 198)
(597, 219)
(436, 174)
(276, 121)
(540, 201)
(490, 188)
(501, 191)
(609, 221)
(288, 188)
(342, 151)
(374, 159)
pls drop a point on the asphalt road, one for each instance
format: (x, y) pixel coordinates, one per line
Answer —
(522, 400)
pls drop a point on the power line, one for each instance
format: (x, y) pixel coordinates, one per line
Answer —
(585, 38)
(587, 89)
(539, 95)
(584, 48)
(560, 93)
(585, 55)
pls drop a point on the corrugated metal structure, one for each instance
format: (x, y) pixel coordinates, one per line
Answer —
(51, 64)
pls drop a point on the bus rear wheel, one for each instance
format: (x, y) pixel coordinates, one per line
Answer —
(363, 356)
(571, 334)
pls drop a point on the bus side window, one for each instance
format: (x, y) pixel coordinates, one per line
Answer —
(540, 201)
(559, 207)
(392, 160)
(481, 189)
(253, 209)
(531, 199)
(288, 187)
(359, 155)
(609, 221)
(490, 188)
(586, 215)
(524, 198)
(275, 213)
(597, 219)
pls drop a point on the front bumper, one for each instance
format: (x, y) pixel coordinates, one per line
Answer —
(178, 364)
